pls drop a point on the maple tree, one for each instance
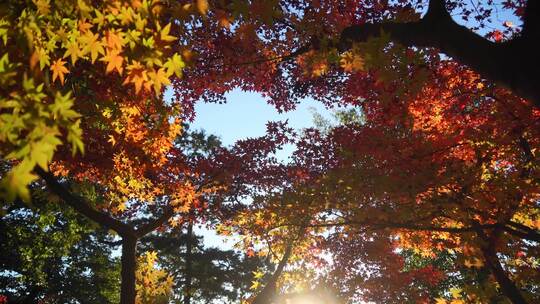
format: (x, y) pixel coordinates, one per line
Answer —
(376, 186)
(444, 155)
(56, 57)
(75, 67)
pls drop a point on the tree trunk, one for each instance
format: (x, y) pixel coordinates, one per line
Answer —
(189, 262)
(509, 289)
(129, 266)
(267, 294)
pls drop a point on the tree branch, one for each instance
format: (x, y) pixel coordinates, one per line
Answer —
(407, 226)
(83, 207)
(513, 63)
(268, 292)
(145, 229)
(531, 24)
(437, 9)
(523, 231)
(111, 243)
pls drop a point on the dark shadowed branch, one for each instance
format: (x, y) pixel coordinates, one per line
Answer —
(513, 63)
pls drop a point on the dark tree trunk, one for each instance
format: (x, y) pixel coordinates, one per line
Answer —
(129, 235)
(508, 288)
(268, 293)
(129, 266)
(189, 264)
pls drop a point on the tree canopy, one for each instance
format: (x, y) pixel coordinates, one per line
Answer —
(426, 189)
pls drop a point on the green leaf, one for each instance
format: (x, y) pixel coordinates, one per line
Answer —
(4, 27)
(15, 184)
(42, 151)
(61, 108)
(75, 138)
(7, 71)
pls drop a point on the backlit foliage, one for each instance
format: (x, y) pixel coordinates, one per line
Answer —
(454, 169)
(154, 285)
(62, 60)
(428, 192)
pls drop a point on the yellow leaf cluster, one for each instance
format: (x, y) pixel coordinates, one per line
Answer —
(62, 41)
(128, 184)
(351, 61)
(154, 285)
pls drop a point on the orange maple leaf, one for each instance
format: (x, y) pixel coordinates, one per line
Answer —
(114, 41)
(84, 26)
(59, 70)
(114, 61)
(138, 76)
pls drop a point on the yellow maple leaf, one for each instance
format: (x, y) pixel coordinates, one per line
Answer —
(151, 256)
(158, 78)
(126, 15)
(351, 62)
(258, 274)
(114, 61)
(121, 207)
(164, 34)
(73, 51)
(43, 6)
(140, 23)
(40, 55)
(112, 140)
(173, 222)
(174, 65)
(440, 301)
(59, 70)
(255, 285)
(456, 292)
(91, 43)
(99, 19)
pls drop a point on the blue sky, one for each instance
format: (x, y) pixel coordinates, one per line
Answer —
(245, 115)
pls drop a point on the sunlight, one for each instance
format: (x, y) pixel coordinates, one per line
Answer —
(306, 299)
(316, 296)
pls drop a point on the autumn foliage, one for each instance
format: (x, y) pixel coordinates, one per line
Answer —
(425, 190)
